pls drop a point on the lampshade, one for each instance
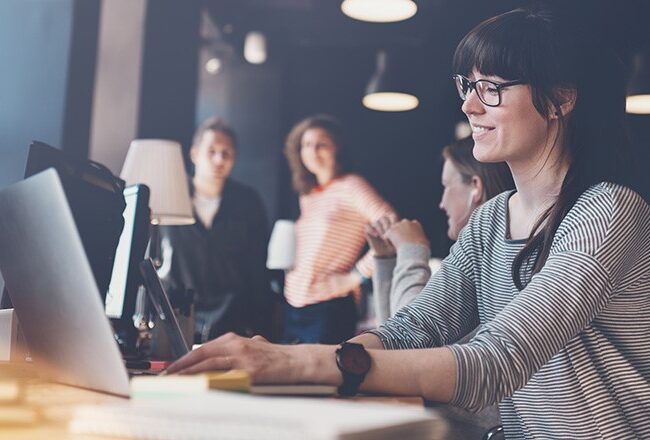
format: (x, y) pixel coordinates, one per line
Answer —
(158, 163)
(386, 90)
(638, 92)
(379, 11)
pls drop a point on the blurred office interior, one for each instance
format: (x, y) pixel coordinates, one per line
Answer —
(89, 76)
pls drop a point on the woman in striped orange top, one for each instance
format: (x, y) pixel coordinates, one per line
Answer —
(335, 207)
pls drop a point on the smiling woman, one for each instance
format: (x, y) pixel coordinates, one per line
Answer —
(554, 272)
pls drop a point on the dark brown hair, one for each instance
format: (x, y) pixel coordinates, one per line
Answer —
(303, 180)
(214, 123)
(496, 177)
(551, 51)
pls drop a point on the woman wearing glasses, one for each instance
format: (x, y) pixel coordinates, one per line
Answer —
(557, 272)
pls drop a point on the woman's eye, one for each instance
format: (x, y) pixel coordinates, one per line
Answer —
(492, 90)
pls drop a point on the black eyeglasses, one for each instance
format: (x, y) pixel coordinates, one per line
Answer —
(489, 92)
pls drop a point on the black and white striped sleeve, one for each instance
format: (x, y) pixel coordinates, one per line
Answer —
(446, 309)
(595, 251)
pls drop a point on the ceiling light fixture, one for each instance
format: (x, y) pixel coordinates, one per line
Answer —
(213, 65)
(379, 11)
(385, 92)
(638, 93)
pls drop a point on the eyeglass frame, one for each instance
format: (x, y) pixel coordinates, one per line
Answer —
(472, 86)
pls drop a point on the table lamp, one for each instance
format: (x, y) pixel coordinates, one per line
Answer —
(158, 163)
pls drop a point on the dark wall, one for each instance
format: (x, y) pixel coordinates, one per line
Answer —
(398, 152)
(639, 133)
(169, 75)
(248, 97)
(34, 54)
(47, 54)
(80, 79)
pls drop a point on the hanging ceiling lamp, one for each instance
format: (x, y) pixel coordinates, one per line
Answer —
(638, 93)
(379, 11)
(384, 92)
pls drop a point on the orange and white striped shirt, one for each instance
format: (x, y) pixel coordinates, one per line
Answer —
(330, 235)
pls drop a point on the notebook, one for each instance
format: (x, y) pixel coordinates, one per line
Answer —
(224, 415)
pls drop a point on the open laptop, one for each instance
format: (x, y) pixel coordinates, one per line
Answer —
(56, 298)
(53, 289)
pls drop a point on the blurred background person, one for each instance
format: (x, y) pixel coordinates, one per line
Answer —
(221, 258)
(335, 207)
(401, 248)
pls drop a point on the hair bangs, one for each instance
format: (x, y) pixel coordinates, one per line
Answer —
(491, 49)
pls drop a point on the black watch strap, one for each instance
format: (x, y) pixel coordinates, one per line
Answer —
(354, 362)
(350, 385)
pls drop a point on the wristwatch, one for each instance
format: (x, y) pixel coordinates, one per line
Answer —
(354, 362)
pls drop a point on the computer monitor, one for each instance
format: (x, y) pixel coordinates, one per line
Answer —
(96, 200)
(125, 277)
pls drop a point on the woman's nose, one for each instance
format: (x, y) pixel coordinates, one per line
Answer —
(218, 157)
(472, 104)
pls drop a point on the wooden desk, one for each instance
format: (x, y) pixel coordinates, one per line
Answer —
(51, 407)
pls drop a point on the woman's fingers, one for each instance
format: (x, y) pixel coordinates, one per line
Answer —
(383, 224)
(191, 358)
(407, 231)
(219, 363)
(213, 348)
(371, 231)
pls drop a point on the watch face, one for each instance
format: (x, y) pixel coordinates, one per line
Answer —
(354, 358)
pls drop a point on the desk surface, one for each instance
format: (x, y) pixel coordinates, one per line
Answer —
(49, 408)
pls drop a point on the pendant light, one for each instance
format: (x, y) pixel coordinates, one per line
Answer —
(638, 93)
(385, 92)
(379, 11)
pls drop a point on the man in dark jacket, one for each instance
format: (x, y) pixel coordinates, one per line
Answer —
(222, 257)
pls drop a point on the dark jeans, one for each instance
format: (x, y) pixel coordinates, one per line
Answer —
(329, 322)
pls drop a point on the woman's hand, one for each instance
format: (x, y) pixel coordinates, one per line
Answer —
(406, 232)
(264, 362)
(336, 285)
(375, 234)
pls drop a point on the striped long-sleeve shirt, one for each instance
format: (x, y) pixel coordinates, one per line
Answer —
(330, 235)
(569, 355)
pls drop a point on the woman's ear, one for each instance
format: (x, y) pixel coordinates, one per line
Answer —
(567, 100)
(477, 190)
(193, 153)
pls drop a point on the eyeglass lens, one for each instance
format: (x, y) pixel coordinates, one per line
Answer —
(487, 91)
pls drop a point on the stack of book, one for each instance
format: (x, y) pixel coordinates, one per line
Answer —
(228, 415)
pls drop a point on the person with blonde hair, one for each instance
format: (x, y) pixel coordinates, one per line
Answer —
(401, 248)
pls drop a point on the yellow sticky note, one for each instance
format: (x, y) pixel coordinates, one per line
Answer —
(231, 380)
